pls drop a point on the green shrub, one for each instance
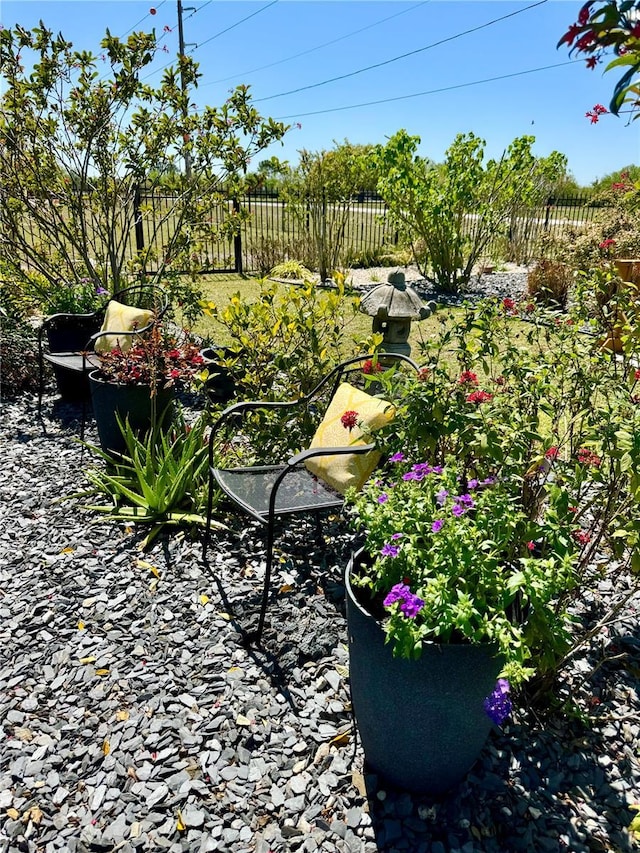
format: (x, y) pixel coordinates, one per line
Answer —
(285, 341)
(18, 356)
(293, 270)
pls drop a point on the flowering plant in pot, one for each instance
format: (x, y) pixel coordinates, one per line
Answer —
(138, 384)
(510, 490)
(154, 359)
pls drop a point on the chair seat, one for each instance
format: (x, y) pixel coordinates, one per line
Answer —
(72, 361)
(299, 490)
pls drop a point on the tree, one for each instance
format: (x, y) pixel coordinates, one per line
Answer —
(450, 212)
(604, 28)
(80, 134)
(320, 192)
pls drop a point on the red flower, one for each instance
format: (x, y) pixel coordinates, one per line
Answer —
(588, 457)
(369, 367)
(509, 305)
(349, 420)
(581, 536)
(584, 42)
(531, 545)
(606, 244)
(479, 397)
(592, 61)
(636, 374)
(570, 35)
(583, 17)
(468, 377)
(530, 307)
(423, 374)
(173, 353)
(552, 452)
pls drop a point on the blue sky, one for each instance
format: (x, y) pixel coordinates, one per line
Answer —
(277, 46)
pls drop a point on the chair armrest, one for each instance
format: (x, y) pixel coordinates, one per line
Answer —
(251, 405)
(328, 451)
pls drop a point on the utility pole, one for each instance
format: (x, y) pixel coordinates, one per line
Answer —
(183, 84)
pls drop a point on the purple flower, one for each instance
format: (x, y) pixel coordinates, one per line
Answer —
(389, 550)
(441, 496)
(489, 481)
(397, 457)
(383, 498)
(100, 291)
(396, 536)
(411, 475)
(410, 604)
(437, 469)
(466, 501)
(436, 527)
(458, 510)
(497, 705)
(422, 468)
(473, 484)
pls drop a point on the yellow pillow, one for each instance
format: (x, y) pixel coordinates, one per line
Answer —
(353, 469)
(121, 318)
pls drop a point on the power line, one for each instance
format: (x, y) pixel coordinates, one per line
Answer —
(402, 56)
(143, 18)
(237, 24)
(429, 92)
(318, 47)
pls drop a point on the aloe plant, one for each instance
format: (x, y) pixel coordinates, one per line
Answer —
(159, 480)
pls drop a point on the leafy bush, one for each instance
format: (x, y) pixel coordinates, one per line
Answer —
(293, 270)
(18, 355)
(614, 231)
(287, 339)
(549, 414)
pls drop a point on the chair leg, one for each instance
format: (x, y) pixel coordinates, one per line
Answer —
(205, 542)
(267, 579)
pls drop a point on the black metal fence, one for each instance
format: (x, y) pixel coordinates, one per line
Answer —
(275, 231)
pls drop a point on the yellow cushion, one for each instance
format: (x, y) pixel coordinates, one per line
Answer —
(121, 318)
(354, 469)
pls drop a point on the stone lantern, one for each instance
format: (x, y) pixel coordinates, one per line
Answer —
(393, 306)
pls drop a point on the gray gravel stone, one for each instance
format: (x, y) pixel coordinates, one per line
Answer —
(190, 741)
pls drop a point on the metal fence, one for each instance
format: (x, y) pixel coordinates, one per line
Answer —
(275, 231)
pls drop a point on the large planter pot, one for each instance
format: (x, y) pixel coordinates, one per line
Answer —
(220, 385)
(628, 269)
(129, 401)
(421, 722)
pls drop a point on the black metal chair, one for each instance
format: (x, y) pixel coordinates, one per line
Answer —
(68, 341)
(266, 492)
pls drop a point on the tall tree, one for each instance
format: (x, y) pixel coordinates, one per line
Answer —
(80, 134)
(450, 212)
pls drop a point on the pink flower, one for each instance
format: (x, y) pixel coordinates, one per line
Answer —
(552, 452)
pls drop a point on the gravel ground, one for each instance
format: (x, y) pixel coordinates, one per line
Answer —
(133, 718)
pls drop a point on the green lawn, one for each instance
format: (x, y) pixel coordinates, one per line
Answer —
(220, 289)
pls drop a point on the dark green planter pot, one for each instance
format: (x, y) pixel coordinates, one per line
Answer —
(129, 401)
(220, 386)
(421, 722)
